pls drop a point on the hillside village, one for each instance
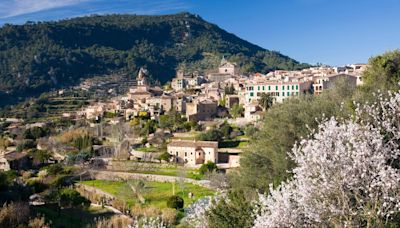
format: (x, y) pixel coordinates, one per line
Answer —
(130, 146)
(223, 98)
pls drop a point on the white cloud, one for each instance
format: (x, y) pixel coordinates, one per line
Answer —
(12, 8)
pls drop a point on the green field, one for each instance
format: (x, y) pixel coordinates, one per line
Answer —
(156, 168)
(155, 193)
(234, 144)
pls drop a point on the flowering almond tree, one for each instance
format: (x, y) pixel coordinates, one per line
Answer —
(347, 174)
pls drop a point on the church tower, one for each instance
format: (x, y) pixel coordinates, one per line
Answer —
(142, 77)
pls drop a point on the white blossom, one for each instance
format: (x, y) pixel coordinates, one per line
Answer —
(344, 174)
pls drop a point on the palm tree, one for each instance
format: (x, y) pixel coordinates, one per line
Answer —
(266, 101)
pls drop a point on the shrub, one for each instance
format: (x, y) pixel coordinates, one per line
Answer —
(70, 198)
(14, 214)
(164, 157)
(207, 167)
(211, 135)
(175, 202)
(55, 169)
(26, 145)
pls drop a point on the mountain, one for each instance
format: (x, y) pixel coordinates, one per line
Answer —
(37, 57)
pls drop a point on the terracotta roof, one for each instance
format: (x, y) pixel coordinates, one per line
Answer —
(191, 143)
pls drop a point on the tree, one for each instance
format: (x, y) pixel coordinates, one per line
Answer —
(346, 174)
(226, 130)
(164, 122)
(236, 110)
(70, 198)
(233, 211)
(229, 89)
(266, 161)
(165, 157)
(266, 101)
(175, 202)
(207, 167)
(211, 135)
(383, 73)
(39, 156)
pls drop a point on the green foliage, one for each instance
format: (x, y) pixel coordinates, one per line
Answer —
(55, 169)
(39, 156)
(7, 178)
(210, 135)
(110, 115)
(266, 101)
(26, 145)
(84, 143)
(35, 133)
(69, 198)
(208, 167)
(226, 130)
(267, 160)
(235, 211)
(164, 122)
(382, 74)
(164, 157)
(236, 110)
(46, 55)
(175, 202)
(37, 186)
(250, 130)
(229, 89)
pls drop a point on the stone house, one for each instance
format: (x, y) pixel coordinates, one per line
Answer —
(193, 153)
(14, 160)
(201, 110)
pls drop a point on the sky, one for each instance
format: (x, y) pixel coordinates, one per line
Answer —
(334, 32)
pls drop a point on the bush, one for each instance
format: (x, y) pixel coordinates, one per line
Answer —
(26, 145)
(55, 169)
(164, 157)
(35, 133)
(207, 168)
(70, 198)
(175, 202)
(211, 135)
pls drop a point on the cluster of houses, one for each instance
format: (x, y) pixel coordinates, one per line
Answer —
(207, 97)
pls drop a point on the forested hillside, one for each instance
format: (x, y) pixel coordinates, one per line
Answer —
(36, 57)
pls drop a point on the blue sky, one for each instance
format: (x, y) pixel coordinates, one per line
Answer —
(333, 32)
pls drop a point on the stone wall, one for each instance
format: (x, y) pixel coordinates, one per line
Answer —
(124, 176)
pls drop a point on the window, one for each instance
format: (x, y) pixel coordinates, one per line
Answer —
(288, 93)
(283, 94)
(288, 87)
(283, 87)
(269, 87)
(251, 94)
(185, 154)
(297, 86)
(276, 87)
(263, 87)
(292, 87)
(258, 88)
(177, 153)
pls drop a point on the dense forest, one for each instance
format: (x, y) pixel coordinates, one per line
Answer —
(36, 57)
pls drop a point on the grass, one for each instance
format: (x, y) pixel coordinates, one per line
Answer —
(234, 144)
(70, 217)
(150, 149)
(155, 193)
(158, 169)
